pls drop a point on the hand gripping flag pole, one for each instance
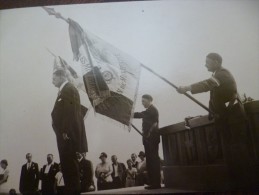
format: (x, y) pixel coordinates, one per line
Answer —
(174, 86)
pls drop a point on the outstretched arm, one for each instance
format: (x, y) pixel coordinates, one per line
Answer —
(200, 87)
(140, 114)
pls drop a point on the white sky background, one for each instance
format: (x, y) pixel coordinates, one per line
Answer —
(171, 37)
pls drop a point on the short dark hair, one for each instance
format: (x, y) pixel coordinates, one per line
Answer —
(148, 97)
(28, 154)
(129, 160)
(216, 57)
(141, 153)
(60, 73)
(103, 154)
(4, 162)
(134, 154)
(50, 155)
(114, 156)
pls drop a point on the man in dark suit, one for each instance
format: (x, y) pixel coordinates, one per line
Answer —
(68, 125)
(29, 179)
(151, 140)
(86, 173)
(118, 173)
(47, 176)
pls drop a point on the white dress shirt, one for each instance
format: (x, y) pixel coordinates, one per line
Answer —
(46, 171)
(62, 86)
(60, 179)
(28, 165)
(115, 170)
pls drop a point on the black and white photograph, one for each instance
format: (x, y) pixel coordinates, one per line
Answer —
(129, 97)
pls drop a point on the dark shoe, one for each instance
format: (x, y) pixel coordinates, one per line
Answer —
(152, 187)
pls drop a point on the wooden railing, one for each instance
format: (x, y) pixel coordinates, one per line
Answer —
(199, 156)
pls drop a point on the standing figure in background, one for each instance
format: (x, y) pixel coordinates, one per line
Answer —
(142, 177)
(103, 173)
(60, 185)
(118, 173)
(68, 125)
(29, 179)
(47, 176)
(131, 173)
(151, 140)
(86, 173)
(134, 160)
(4, 174)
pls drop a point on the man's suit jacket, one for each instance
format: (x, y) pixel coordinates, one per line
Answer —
(67, 118)
(48, 180)
(149, 117)
(29, 179)
(221, 91)
(86, 174)
(121, 172)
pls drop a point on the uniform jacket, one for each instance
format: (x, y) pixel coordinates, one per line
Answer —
(222, 87)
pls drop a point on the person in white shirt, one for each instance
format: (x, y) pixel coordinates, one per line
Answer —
(60, 185)
(134, 160)
(131, 173)
(47, 176)
(103, 173)
(142, 177)
(4, 174)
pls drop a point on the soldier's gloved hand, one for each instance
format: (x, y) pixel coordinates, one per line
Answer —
(183, 89)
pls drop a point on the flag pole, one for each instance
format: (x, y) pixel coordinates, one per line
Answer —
(174, 86)
(137, 130)
(134, 127)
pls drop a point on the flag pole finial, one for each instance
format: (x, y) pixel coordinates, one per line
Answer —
(51, 11)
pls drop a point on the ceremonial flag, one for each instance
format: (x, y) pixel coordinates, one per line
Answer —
(111, 77)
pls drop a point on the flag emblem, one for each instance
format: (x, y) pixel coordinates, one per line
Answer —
(111, 77)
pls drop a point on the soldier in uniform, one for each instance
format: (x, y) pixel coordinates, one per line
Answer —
(224, 102)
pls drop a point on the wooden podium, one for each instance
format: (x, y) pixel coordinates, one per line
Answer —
(202, 157)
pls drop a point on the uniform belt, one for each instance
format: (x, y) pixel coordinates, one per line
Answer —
(230, 102)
